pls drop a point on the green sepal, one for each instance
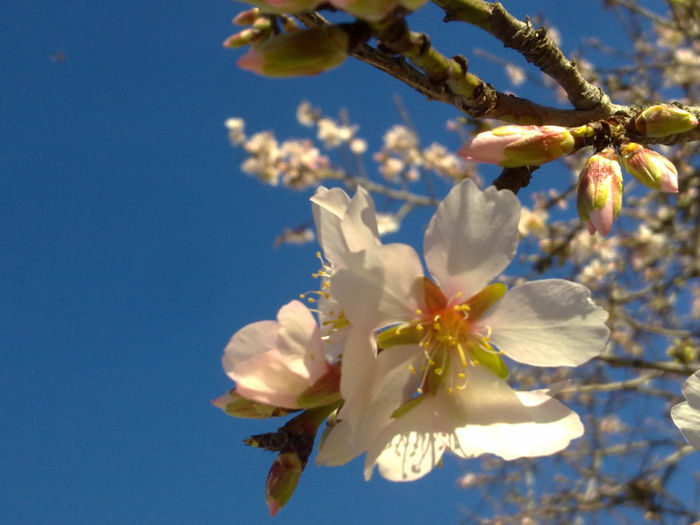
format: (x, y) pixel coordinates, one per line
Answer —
(490, 360)
(399, 335)
(325, 391)
(245, 408)
(408, 405)
(485, 299)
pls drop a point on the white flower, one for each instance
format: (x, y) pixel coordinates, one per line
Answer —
(235, 130)
(686, 415)
(442, 339)
(277, 362)
(343, 226)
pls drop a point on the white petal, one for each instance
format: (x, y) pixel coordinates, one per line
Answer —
(691, 390)
(512, 424)
(380, 286)
(687, 419)
(686, 415)
(411, 445)
(272, 379)
(548, 323)
(359, 225)
(387, 383)
(471, 238)
(344, 224)
(329, 209)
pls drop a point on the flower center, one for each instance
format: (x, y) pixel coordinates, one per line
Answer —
(451, 338)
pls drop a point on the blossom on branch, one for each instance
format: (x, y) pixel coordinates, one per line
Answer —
(281, 363)
(686, 415)
(435, 379)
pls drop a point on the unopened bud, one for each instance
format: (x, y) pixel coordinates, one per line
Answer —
(243, 38)
(600, 192)
(649, 167)
(283, 6)
(515, 146)
(305, 52)
(246, 18)
(664, 119)
(282, 480)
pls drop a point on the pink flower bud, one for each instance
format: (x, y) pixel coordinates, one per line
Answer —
(305, 52)
(663, 119)
(649, 167)
(372, 10)
(282, 480)
(514, 146)
(246, 18)
(600, 192)
(243, 38)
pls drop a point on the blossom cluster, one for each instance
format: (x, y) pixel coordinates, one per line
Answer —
(404, 365)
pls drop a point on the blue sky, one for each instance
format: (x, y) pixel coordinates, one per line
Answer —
(133, 248)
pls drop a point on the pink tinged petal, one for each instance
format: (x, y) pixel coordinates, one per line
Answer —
(299, 337)
(602, 219)
(252, 61)
(471, 238)
(487, 147)
(380, 286)
(273, 362)
(548, 323)
(271, 378)
(512, 424)
(686, 415)
(411, 445)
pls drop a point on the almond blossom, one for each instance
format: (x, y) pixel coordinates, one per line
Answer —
(280, 363)
(435, 378)
(686, 415)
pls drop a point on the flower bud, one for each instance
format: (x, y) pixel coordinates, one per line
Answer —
(243, 38)
(600, 191)
(515, 146)
(649, 167)
(663, 119)
(305, 52)
(282, 480)
(246, 18)
(283, 6)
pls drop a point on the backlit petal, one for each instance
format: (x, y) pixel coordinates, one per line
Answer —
(512, 424)
(380, 286)
(548, 323)
(471, 238)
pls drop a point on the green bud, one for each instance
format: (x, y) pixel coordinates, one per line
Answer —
(303, 52)
(664, 119)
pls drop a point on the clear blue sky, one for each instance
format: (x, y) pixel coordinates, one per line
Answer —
(132, 248)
